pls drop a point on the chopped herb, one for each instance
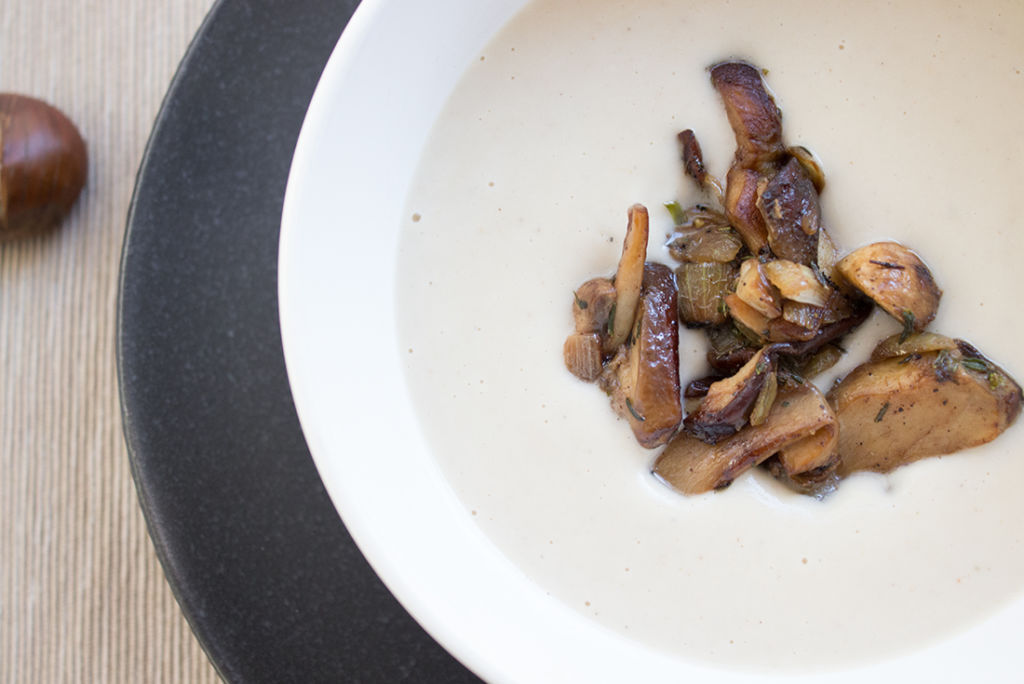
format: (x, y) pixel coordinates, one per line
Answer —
(761, 366)
(886, 264)
(908, 325)
(582, 303)
(678, 215)
(634, 334)
(881, 412)
(907, 359)
(978, 365)
(994, 380)
(629, 405)
(785, 403)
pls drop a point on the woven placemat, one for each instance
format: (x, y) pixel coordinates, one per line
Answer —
(82, 595)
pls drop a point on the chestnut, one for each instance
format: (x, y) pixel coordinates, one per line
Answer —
(43, 163)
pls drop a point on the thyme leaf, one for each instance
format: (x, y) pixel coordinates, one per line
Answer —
(629, 405)
(978, 365)
(908, 325)
(881, 412)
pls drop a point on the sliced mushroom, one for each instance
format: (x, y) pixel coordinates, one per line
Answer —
(753, 115)
(920, 343)
(789, 204)
(729, 402)
(628, 278)
(796, 282)
(741, 187)
(693, 163)
(896, 279)
(592, 305)
(643, 378)
(800, 420)
(900, 409)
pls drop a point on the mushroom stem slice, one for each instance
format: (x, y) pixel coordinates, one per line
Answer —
(693, 466)
(900, 409)
(628, 278)
(896, 279)
(582, 354)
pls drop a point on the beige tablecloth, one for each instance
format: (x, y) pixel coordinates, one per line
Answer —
(82, 596)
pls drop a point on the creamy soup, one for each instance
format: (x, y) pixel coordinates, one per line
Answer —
(567, 118)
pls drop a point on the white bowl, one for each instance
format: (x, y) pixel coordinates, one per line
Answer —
(373, 112)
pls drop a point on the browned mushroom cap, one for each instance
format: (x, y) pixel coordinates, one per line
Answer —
(917, 404)
(896, 279)
(789, 204)
(643, 378)
(753, 115)
(800, 423)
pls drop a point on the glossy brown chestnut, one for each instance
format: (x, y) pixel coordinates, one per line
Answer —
(43, 163)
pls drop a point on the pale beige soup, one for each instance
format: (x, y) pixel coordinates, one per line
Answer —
(567, 118)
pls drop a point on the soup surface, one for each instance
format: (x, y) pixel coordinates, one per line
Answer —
(568, 117)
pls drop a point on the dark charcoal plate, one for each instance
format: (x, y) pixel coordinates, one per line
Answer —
(271, 582)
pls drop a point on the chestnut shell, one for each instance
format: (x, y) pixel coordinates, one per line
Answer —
(43, 166)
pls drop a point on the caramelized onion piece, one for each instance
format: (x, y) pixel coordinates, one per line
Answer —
(901, 409)
(755, 290)
(710, 243)
(702, 288)
(896, 279)
(796, 282)
(643, 378)
(804, 315)
(799, 413)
